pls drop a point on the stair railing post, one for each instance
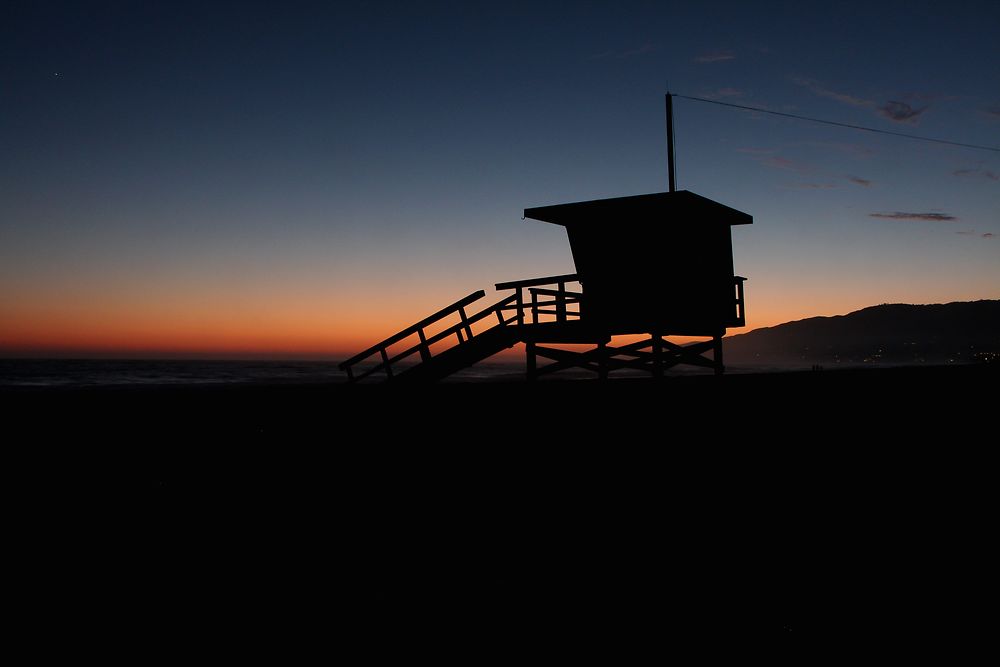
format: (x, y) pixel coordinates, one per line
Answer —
(385, 363)
(534, 307)
(425, 352)
(561, 303)
(465, 321)
(520, 306)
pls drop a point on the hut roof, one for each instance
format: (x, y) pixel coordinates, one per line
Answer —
(680, 206)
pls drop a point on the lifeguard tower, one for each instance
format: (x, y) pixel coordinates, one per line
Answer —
(648, 266)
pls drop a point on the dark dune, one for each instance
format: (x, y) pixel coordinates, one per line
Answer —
(602, 519)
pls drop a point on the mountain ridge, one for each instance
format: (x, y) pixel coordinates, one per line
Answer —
(958, 331)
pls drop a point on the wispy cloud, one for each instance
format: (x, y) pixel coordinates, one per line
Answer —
(757, 151)
(630, 53)
(977, 172)
(722, 93)
(988, 235)
(900, 112)
(812, 186)
(857, 180)
(854, 150)
(894, 110)
(993, 111)
(778, 162)
(973, 232)
(715, 57)
(817, 88)
(900, 215)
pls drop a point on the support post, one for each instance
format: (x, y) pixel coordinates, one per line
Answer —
(717, 354)
(657, 355)
(670, 142)
(602, 361)
(530, 360)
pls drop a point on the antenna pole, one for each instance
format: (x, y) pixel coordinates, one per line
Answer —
(670, 142)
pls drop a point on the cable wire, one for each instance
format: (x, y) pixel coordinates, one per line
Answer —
(847, 125)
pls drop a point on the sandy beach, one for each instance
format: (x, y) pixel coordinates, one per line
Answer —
(608, 516)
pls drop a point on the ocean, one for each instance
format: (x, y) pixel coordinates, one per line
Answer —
(106, 372)
(99, 372)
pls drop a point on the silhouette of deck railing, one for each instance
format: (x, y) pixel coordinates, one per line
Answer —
(524, 313)
(741, 318)
(423, 347)
(561, 297)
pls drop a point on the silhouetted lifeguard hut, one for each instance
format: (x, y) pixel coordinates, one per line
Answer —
(653, 265)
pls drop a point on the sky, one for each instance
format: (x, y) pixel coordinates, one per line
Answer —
(304, 179)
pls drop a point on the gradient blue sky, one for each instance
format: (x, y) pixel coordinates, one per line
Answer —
(301, 178)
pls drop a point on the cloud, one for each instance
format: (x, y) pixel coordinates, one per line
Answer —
(722, 93)
(993, 111)
(894, 110)
(757, 151)
(631, 53)
(988, 235)
(778, 162)
(813, 186)
(978, 171)
(815, 87)
(715, 57)
(863, 182)
(900, 215)
(854, 150)
(900, 112)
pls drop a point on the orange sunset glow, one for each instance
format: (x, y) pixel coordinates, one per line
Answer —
(287, 193)
(319, 324)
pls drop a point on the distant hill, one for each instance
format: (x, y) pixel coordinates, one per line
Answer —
(963, 331)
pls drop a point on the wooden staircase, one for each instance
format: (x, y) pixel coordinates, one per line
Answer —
(461, 339)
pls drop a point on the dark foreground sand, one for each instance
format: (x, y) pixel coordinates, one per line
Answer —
(795, 514)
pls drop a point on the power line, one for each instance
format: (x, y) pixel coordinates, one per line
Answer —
(847, 125)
